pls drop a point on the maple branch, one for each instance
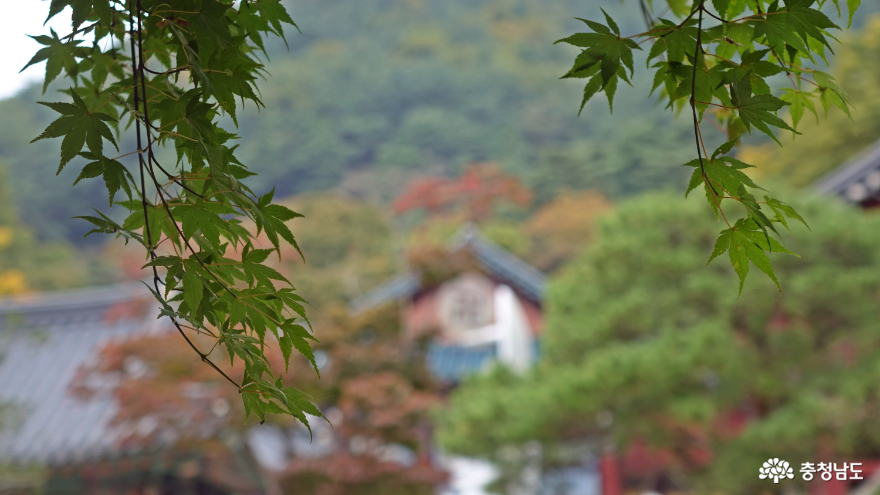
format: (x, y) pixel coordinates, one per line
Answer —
(715, 16)
(167, 72)
(114, 95)
(731, 62)
(150, 249)
(127, 154)
(716, 105)
(80, 30)
(697, 50)
(646, 14)
(681, 25)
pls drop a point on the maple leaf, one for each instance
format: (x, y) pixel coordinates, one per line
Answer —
(79, 127)
(58, 56)
(295, 335)
(783, 210)
(808, 22)
(757, 110)
(800, 101)
(745, 244)
(723, 173)
(777, 33)
(605, 49)
(831, 93)
(674, 40)
(115, 175)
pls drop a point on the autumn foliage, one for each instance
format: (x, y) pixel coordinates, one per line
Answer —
(477, 192)
(374, 386)
(563, 227)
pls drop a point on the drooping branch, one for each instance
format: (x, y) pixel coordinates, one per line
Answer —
(734, 91)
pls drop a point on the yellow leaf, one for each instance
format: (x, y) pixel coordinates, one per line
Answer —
(12, 282)
(5, 237)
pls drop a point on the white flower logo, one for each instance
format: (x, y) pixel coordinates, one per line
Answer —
(775, 468)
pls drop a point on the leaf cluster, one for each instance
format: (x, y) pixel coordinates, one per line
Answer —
(719, 60)
(166, 72)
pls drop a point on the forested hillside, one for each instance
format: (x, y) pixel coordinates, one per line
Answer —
(376, 92)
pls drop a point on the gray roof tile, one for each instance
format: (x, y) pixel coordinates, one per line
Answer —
(855, 180)
(40, 360)
(523, 277)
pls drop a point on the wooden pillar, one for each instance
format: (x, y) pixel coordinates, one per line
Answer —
(841, 487)
(836, 487)
(611, 482)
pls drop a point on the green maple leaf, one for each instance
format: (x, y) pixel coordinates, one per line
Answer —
(297, 398)
(231, 75)
(211, 17)
(800, 101)
(299, 404)
(266, 16)
(783, 210)
(707, 84)
(606, 49)
(725, 148)
(188, 115)
(753, 210)
(746, 245)
(271, 218)
(254, 269)
(769, 244)
(58, 56)
(757, 110)
(830, 92)
(253, 403)
(105, 225)
(852, 6)
(81, 9)
(79, 127)
(297, 336)
(115, 175)
(721, 6)
(753, 60)
(196, 218)
(808, 22)
(192, 290)
(677, 42)
(723, 174)
(777, 32)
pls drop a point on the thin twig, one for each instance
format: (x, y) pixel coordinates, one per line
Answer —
(697, 50)
(715, 16)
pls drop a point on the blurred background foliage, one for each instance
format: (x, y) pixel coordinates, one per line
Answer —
(27, 264)
(375, 93)
(644, 343)
(379, 97)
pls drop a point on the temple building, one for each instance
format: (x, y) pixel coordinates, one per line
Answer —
(487, 308)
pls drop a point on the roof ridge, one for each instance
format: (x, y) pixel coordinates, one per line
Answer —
(524, 277)
(839, 178)
(78, 298)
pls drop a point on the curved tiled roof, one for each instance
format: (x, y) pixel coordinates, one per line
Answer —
(45, 339)
(857, 180)
(397, 288)
(501, 264)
